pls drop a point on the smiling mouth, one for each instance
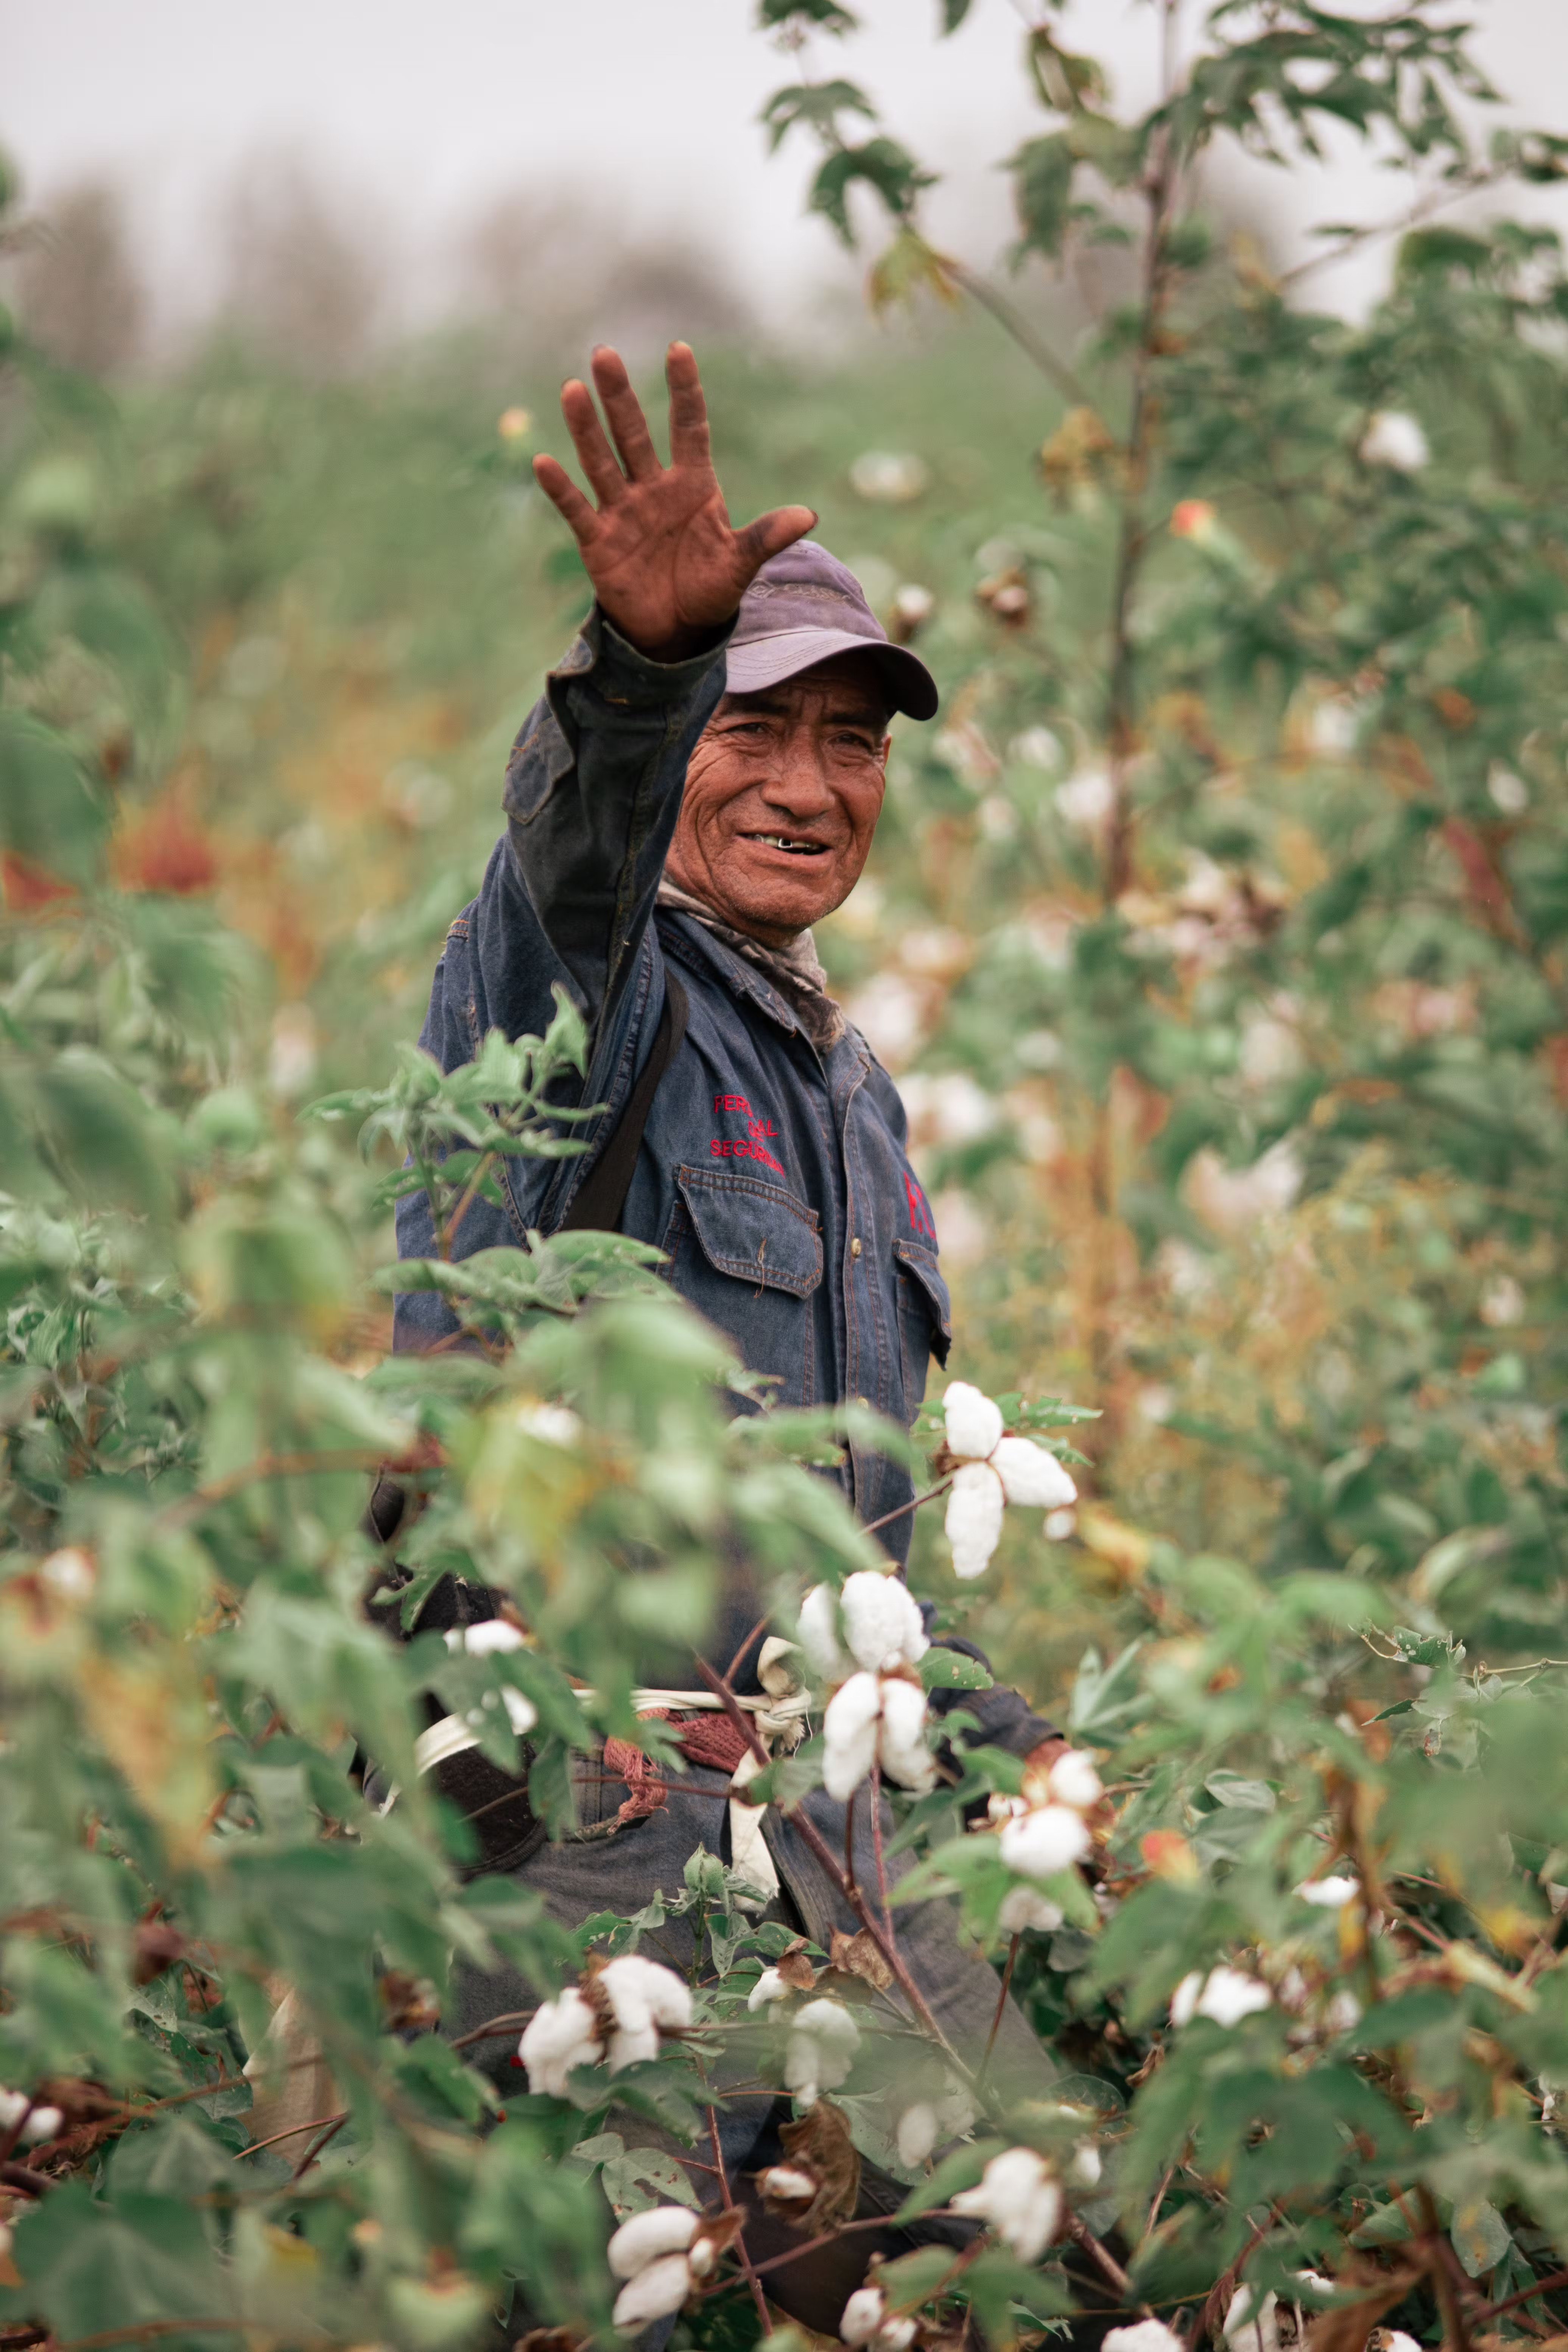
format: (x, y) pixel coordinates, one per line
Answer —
(791, 844)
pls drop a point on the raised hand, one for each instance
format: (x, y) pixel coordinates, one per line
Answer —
(666, 568)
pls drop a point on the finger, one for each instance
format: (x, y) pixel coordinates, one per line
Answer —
(595, 453)
(772, 533)
(565, 498)
(688, 409)
(624, 409)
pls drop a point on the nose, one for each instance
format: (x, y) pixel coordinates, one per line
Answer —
(798, 784)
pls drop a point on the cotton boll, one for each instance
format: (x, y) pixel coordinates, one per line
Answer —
(665, 2229)
(553, 1424)
(1228, 1996)
(1086, 2167)
(562, 2033)
(1073, 1780)
(822, 2040)
(1031, 1475)
(1394, 439)
(1184, 2000)
(789, 2184)
(1327, 1893)
(973, 1521)
(1250, 2325)
(896, 2335)
(849, 1730)
(654, 2294)
(644, 1996)
(974, 1423)
(917, 2133)
(1019, 2197)
(901, 1741)
(1143, 2336)
(770, 1986)
(492, 1639)
(882, 1622)
(1040, 1844)
(1024, 1907)
(818, 1630)
(863, 2315)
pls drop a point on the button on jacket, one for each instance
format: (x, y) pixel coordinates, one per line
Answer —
(773, 1177)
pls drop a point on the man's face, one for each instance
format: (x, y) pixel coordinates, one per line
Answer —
(782, 795)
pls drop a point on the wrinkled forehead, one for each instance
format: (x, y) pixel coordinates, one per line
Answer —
(847, 686)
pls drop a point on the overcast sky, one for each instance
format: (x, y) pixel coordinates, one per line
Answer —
(424, 109)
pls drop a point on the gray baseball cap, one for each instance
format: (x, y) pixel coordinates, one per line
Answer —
(804, 607)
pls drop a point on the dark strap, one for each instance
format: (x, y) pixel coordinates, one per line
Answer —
(601, 1197)
(598, 1205)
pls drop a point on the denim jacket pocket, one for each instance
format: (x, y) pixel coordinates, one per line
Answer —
(753, 1230)
(747, 1254)
(925, 1318)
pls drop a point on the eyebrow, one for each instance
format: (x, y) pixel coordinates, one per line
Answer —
(764, 705)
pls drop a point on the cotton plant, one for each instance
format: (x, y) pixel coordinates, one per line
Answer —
(617, 2016)
(994, 1468)
(661, 2255)
(925, 2123)
(820, 2051)
(1225, 1995)
(1019, 2197)
(869, 1639)
(868, 2321)
(1042, 1831)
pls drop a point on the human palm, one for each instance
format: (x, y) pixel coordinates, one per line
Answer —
(668, 569)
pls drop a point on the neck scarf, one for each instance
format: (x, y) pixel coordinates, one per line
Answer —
(794, 969)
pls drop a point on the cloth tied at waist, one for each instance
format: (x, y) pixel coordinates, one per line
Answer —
(713, 1739)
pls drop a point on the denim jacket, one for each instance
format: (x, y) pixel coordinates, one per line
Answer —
(775, 1179)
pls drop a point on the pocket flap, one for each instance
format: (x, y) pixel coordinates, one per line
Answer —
(753, 1230)
(919, 1267)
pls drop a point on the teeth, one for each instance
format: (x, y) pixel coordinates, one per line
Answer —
(796, 848)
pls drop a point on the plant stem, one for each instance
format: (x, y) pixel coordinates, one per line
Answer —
(904, 1508)
(449, 1231)
(1005, 1988)
(1013, 323)
(758, 2297)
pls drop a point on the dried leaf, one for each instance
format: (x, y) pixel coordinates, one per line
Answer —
(797, 1971)
(857, 1956)
(820, 2138)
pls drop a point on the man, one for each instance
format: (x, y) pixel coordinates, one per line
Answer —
(702, 783)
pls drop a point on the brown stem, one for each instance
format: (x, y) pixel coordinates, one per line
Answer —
(831, 2237)
(292, 2133)
(465, 1204)
(1456, 2335)
(1005, 1988)
(270, 1466)
(758, 2297)
(1102, 2256)
(1013, 323)
(830, 1862)
(23, 2177)
(1547, 2286)
(877, 1849)
(309, 2159)
(850, 1884)
(904, 1508)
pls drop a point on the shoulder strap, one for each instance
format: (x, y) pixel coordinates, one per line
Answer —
(601, 1197)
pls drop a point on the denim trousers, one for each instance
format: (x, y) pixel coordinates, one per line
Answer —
(604, 1867)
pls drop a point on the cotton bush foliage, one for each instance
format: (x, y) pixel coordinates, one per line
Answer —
(1240, 904)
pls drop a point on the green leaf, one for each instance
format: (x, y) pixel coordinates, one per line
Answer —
(882, 165)
(51, 814)
(944, 1669)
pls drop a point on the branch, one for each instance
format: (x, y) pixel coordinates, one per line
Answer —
(1013, 323)
(758, 2297)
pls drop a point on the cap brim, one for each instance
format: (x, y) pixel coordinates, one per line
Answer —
(764, 661)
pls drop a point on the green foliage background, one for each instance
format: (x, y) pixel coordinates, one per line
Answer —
(1217, 932)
